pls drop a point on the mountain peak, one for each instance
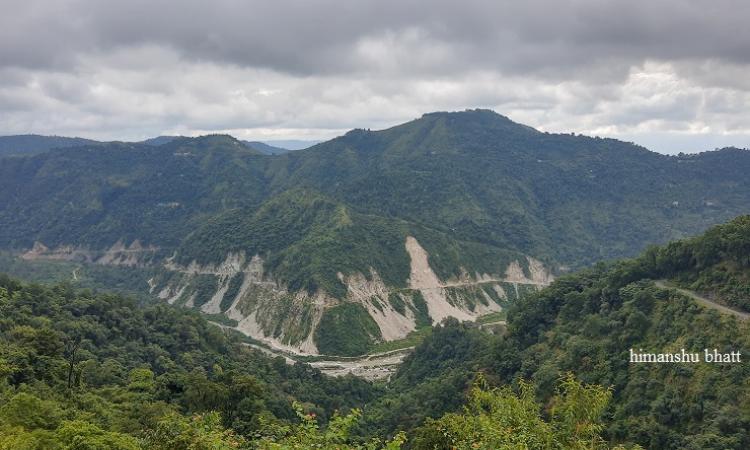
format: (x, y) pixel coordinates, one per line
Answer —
(475, 119)
(467, 113)
(212, 142)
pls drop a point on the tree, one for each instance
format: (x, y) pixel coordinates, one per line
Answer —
(307, 434)
(500, 419)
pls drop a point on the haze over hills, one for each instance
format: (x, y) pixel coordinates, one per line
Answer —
(265, 148)
(452, 214)
(291, 144)
(30, 144)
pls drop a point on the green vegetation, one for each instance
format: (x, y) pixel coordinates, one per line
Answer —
(202, 288)
(221, 319)
(29, 144)
(421, 314)
(492, 317)
(716, 263)
(411, 340)
(397, 302)
(307, 434)
(501, 419)
(346, 206)
(125, 280)
(346, 330)
(83, 370)
(235, 283)
(586, 323)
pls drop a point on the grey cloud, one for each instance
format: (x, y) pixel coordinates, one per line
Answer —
(129, 69)
(325, 36)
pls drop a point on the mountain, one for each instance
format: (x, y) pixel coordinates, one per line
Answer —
(265, 148)
(29, 144)
(450, 215)
(291, 144)
(100, 371)
(261, 147)
(160, 140)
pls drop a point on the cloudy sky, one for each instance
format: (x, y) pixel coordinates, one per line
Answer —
(672, 75)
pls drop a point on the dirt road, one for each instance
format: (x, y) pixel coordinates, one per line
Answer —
(703, 300)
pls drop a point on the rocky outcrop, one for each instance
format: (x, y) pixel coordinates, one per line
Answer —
(258, 305)
(119, 254)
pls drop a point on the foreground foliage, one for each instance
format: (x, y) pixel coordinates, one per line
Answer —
(90, 371)
(498, 419)
(85, 370)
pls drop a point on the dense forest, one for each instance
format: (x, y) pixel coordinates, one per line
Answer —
(482, 196)
(98, 371)
(586, 323)
(87, 370)
(107, 368)
(31, 144)
(473, 187)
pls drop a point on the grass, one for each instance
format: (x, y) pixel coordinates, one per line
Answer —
(221, 319)
(492, 317)
(412, 339)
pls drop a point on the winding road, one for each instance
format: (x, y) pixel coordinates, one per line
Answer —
(663, 284)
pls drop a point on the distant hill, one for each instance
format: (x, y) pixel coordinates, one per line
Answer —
(160, 140)
(278, 147)
(292, 144)
(452, 214)
(265, 148)
(30, 144)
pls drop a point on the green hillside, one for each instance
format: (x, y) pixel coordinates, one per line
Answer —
(265, 148)
(86, 370)
(716, 264)
(309, 238)
(479, 194)
(96, 371)
(474, 175)
(586, 324)
(481, 177)
(30, 144)
(103, 193)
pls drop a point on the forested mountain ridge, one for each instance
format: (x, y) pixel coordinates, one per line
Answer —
(477, 173)
(450, 214)
(266, 149)
(29, 144)
(587, 323)
(716, 264)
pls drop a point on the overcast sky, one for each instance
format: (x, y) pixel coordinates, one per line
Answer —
(671, 75)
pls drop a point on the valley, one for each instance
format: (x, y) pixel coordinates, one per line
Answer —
(450, 215)
(400, 274)
(368, 225)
